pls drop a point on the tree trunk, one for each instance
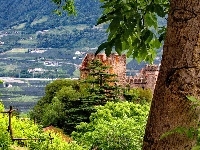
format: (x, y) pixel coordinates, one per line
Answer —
(179, 77)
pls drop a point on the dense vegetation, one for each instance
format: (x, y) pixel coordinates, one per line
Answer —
(25, 128)
(72, 101)
(114, 126)
(92, 117)
(81, 107)
(117, 125)
(29, 12)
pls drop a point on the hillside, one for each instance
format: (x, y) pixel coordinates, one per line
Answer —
(36, 43)
(32, 23)
(31, 36)
(30, 26)
(15, 12)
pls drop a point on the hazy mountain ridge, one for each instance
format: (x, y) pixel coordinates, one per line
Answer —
(14, 12)
(32, 25)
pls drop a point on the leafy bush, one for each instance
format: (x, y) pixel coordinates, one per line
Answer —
(25, 128)
(138, 95)
(67, 103)
(5, 140)
(114, 126)
(61, 96)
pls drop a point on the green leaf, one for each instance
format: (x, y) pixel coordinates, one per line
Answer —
(196, 148)
(150, 20)
(161, 37)
(191, 133)
(104, 18)
(143, 52)
(118, 46)
(108, 50)
(57, 2)
(150, 37)
(125, 45)
(101, 47)
(57, 12)
(69, 7)
(139, 27)
(159, 10)
(155, 43)
(113, 27)
(150, 8)
(129, 53)
(145, 34)
(192, 98)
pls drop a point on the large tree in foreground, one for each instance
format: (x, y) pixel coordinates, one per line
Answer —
(178, 78)
(132, 25)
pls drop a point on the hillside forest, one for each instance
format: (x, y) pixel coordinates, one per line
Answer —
(32, 36)
(36, 42)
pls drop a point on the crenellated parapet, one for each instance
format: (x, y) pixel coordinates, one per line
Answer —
(135, 80)
(116, 63)
(151, 68)
(146, 78)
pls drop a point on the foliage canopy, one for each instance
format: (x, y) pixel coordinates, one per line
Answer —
(114, 126)
(25, 128)
(68, 102)
(102, 84)
(133, 26)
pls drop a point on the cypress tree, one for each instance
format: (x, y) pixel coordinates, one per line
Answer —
(102, 86)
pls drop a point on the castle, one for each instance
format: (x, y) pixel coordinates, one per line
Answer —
(145, 79)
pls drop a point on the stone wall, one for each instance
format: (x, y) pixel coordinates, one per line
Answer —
(116, 63)
(145, 79)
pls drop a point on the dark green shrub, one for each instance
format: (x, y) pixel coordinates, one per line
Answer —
(138, 95)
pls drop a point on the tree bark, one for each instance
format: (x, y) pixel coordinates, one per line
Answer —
(179, 76)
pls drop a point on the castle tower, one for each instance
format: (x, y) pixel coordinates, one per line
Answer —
(151, 75)
(116, 63)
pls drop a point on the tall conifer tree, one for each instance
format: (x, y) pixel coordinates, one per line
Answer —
(102, 86)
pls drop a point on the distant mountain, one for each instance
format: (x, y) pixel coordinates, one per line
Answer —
(32, 23)
(15, 12)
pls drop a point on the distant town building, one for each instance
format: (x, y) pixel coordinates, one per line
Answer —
(39, 70)
(52, 63)
(1, 43)
(36, 51)
(77, 53)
